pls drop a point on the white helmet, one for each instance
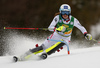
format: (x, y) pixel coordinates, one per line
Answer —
(65, 7)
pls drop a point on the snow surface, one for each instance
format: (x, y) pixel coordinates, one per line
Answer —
(79, 58)
(95, 30)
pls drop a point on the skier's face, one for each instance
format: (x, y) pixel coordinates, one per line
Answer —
(65, 16)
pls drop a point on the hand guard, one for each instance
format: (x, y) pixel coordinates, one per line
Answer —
(61, 29)
(88, 36)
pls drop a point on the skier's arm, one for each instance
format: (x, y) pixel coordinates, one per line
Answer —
(79, 26)
(82, 29)
(53, 23)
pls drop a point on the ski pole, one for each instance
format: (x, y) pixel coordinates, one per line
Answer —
(28, 28)
(96, 41)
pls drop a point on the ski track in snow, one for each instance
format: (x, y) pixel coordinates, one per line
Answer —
(79, 58)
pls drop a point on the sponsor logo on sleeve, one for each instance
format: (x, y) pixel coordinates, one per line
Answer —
(55, 19)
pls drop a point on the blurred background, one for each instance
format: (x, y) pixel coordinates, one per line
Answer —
(40, 13)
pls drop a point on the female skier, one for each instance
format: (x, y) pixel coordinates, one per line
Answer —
(62, 25)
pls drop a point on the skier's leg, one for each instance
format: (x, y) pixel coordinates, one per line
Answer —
(54, 48)
(28, 54)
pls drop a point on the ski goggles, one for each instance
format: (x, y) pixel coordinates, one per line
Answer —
(65, 12)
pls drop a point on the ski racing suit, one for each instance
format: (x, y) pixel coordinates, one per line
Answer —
(66, 35)
(51, 46)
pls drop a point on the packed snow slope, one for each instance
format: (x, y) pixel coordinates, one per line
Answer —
(79, 58)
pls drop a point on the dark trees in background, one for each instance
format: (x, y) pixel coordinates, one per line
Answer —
(39, 13)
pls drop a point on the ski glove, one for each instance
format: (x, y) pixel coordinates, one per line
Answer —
(88, 36)
(61, 29)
